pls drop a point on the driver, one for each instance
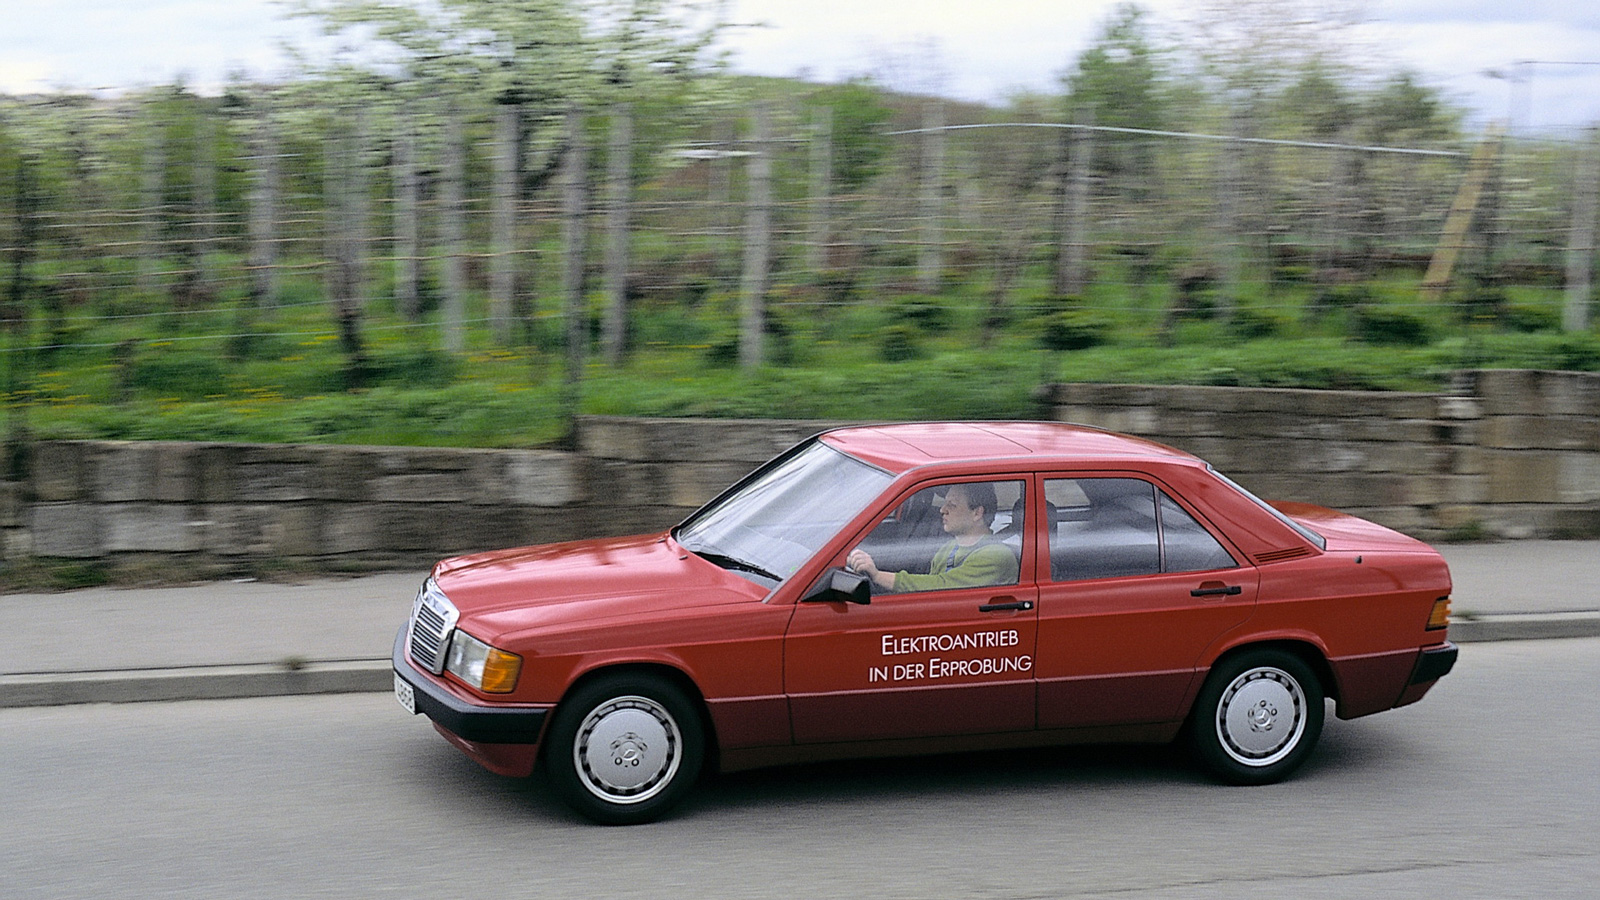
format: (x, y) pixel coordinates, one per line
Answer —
(973, 557)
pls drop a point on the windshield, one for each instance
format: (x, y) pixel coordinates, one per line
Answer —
(772, 525)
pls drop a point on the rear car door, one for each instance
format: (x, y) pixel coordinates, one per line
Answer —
(1133, 589)
(953, 660)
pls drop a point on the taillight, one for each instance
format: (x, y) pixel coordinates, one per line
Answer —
(1439, 617)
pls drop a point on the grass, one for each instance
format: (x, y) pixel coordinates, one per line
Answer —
(875, 354)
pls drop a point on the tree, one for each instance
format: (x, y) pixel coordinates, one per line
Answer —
(857, 116)
(1251, 50)
(1402, 108)
(1319, 105)
(1118, 79)
(1118, 83)
(535, 60)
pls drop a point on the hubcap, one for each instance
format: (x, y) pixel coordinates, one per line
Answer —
(627, 749)
(1261, 716)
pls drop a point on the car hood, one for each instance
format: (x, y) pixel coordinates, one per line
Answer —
(1345, 532)
(513, 590)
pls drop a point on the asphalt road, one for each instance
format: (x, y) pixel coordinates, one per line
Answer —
(1488, 788)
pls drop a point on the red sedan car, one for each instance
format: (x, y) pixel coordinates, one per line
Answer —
(916, 588)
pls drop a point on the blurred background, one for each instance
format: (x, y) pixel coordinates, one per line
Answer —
(464, 221)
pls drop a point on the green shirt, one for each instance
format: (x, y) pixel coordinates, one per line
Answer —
(985, 563)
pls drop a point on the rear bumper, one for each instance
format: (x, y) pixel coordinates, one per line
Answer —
(1433, 663)
(1376, 682)
(473, 722)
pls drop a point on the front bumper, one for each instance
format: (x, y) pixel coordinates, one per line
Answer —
(467, 720)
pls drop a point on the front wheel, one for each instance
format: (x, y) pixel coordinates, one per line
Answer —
(623, 749)
(1257, 718)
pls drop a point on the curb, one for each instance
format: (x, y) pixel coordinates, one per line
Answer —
(1525, 627)
(195, 683)
(352, 676)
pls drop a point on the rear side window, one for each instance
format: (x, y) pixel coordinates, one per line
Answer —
(1119, 527)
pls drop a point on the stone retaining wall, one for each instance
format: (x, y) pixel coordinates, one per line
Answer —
(1505, 453)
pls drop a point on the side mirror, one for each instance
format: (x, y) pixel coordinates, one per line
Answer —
(842, 586)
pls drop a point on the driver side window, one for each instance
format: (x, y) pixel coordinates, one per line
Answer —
(951, 536)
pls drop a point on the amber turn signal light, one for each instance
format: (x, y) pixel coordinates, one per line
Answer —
(500, 671)
(1440, 616)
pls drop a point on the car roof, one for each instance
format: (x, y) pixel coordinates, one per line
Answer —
(900, 447)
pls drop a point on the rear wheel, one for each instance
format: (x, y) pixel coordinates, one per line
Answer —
(1257, 718)
(624, 749)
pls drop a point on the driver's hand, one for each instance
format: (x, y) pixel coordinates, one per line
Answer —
(860, 561)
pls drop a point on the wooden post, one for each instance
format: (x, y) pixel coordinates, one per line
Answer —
(1232, 186)
(1455, 238)
(407, 217)
(203, 205)
(574, 214)
(821, 189)
(930, 262)
(153, 200)
(264, 212)
(454, 227)
(1581, 245)
(503, 242)
(346, 206)
(619, 191)
(1072, 257)
(757, 245)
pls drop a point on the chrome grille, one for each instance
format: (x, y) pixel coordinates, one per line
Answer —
(433, 617)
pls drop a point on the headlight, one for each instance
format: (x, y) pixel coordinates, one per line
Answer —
(486, 668)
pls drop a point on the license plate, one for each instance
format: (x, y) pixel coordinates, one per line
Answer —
(405, 695)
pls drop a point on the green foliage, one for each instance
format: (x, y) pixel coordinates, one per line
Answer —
(898, 343)
(1252, 324)
(1390, 327)
(178, 374)
(1530, 319)
(1074, 329)
(1577, 353)
(925, 314)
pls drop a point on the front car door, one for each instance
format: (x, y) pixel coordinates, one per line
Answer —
(940, 656)
(1133, 589)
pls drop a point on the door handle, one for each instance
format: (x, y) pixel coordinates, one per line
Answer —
(1008, 605)
(1217, 590)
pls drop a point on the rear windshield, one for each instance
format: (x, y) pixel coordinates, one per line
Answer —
(1308, 534)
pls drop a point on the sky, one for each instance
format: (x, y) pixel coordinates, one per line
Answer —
(1546, 53)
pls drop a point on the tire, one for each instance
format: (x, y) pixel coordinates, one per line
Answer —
(624, 749)
(1257, 718)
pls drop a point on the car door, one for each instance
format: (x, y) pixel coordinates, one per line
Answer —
(1133, 589)
(950, 660)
